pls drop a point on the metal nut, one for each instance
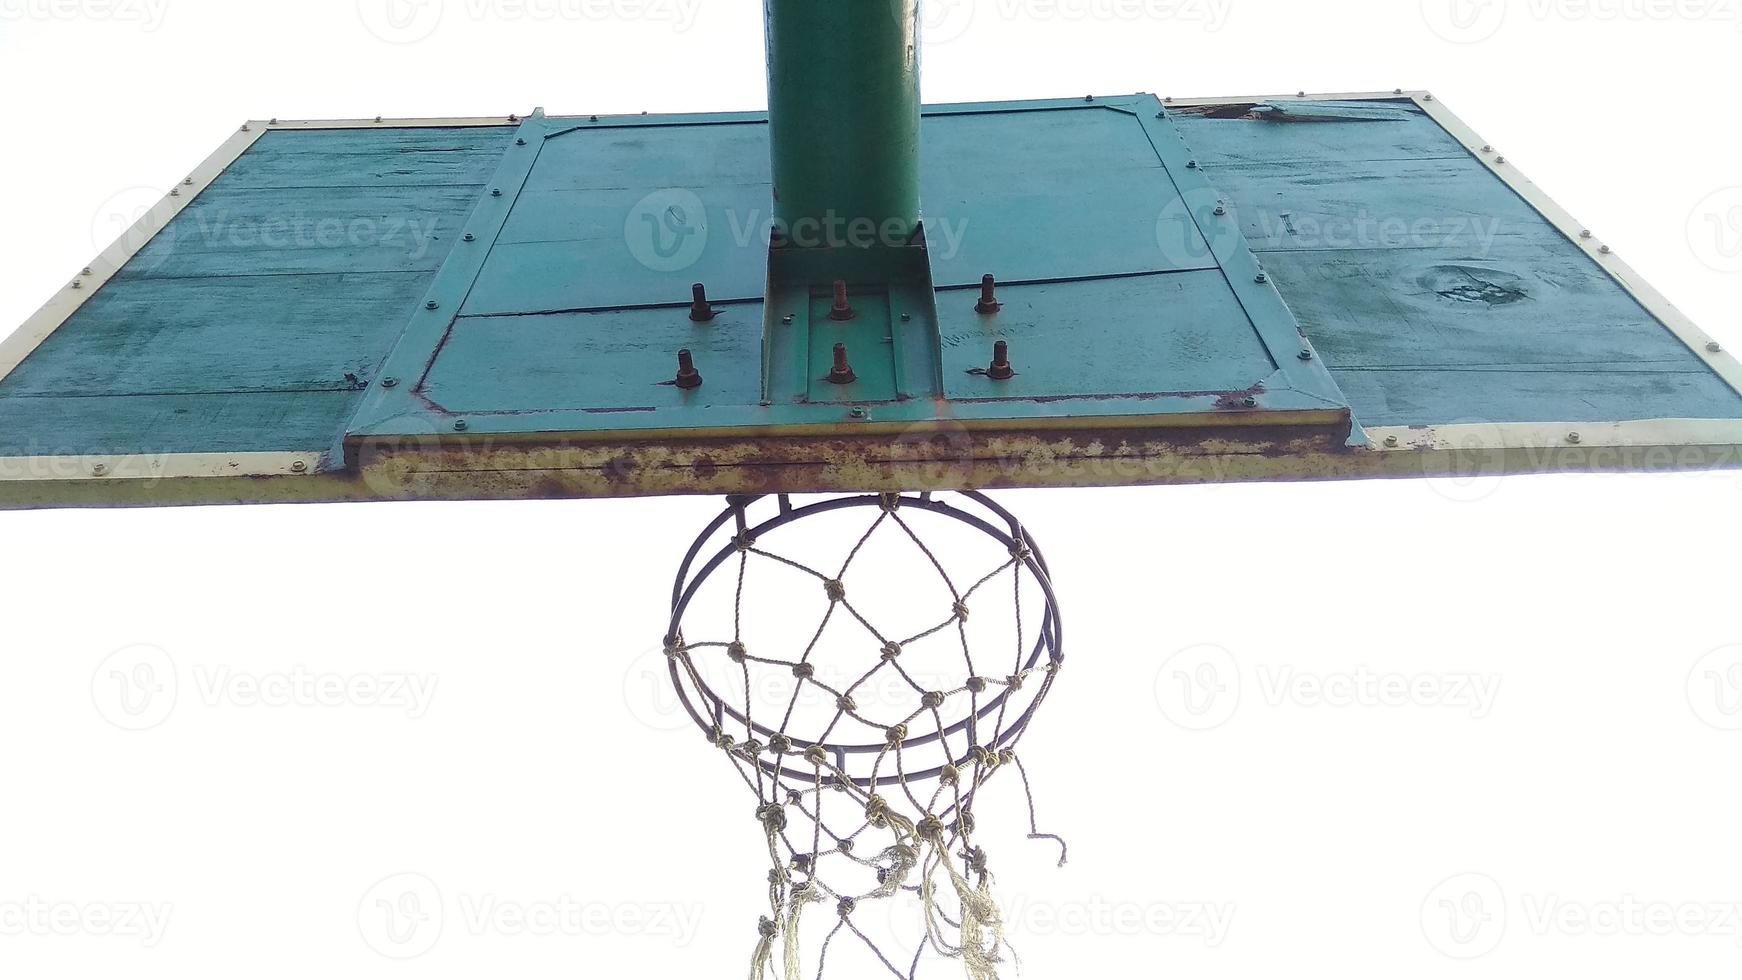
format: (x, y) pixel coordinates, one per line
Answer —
(300, 466)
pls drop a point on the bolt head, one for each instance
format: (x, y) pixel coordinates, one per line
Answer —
(788, 319)
(520, 141)
(1606, 250)
(432, 304)
(1306, 354)
(86, 271)
(77, 284)
(1391, 441)
(300, 466)
(1575, 438)
(100, 469)
(460, 425)
(1715, 347)
(858, 413)
(495, 192)
(389, 382)
(1586, 234)
(1262, 277)
(469, 237)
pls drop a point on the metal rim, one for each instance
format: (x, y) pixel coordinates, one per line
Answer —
(1048, 643)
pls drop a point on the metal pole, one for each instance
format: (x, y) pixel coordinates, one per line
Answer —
(843, 98)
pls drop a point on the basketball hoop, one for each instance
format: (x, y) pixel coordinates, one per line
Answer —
(909, 771)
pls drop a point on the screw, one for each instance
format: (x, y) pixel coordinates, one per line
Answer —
(842, 372)
(86, 271)
(842, 310)
(469, 237)
(273, 121)
(1500, 161)
(1715, 347)
(859, 413)
(189, 182)
(432, 304)
(1262, 277)
(1191, 164)
(1586, 234)
(1306, 354)
(459, 425)
(988, 295)
(1391, 441)
(1221, 209)
(1000, 369)
(175, 192)
(513, 118)
(520, 141)
(1487, 148)
(687, 375)
(1606, 250)
(495, 192)
(77, 284)
(299, 466)
(700, 310)
(389, 382)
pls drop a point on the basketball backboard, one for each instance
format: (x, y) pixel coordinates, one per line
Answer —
(1192, 290)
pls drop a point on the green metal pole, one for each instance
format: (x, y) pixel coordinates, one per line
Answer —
(843, 97)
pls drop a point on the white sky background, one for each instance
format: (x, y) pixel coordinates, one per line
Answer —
(1593, 779)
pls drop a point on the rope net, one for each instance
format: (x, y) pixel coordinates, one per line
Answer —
(869, 721)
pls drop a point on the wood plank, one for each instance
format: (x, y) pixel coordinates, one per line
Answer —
(183, 336)
(1398, 131)
(369, 158)
(306, 421)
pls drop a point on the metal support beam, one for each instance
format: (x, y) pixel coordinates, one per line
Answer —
(843, 97)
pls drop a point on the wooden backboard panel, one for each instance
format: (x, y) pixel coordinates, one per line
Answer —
(1211, 290)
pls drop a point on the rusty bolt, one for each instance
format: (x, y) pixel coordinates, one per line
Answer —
(988, 295)
(842, 372)
(700, 310)
(1000, 369)
(687, 375)
(842, 310)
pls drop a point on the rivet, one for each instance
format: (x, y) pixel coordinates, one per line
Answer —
(460, 425)
(100, 469)
(1428, 97)
(1000, 369)
(1249, 402)
(1500, 161)
(273, 121)
(389, 382)
(86, 272)
(1088, 98)
(1221, 209)
(520, 141)
(1391, 441)
(377, 118)
(1575, 438)
(175, 192)
(188, 182)
(687, 375)
(1168, 99)
(1397, 91)
(1306, 354)
(495, 192)
(1586, 234)
(432, 304)
(245, 128)
(842, 310)
(1300, 95)
(841, 373)
(788, 319)
(593, 119)
(1262, 277)
(988, 295)
(1605, 250)
(300, 466)
(859, 413)
(513, 118)
(469, 237)
(1191, 164)
(1715, 347)
(701, 311)
(1488, 148)
(77, 284)
(907, 318)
